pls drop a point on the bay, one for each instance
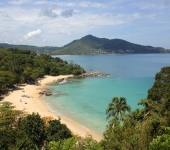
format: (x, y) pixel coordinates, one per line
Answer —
(85, 100)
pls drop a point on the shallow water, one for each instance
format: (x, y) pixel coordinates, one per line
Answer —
(85, 100)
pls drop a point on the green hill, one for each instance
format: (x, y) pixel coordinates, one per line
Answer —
(93, 45)
(37, 49)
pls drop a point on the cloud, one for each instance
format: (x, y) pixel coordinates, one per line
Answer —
(19, 2)
(67, 13)
(32, 34)
(90, 4)
(152, 5)
(48, 12)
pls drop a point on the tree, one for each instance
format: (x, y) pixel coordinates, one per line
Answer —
(7, 79)
(10, 136)
(117, 109)
(34, 127)
(76, 143)
(161, 88)
(149, 107)
(57, 131)
(161, 142)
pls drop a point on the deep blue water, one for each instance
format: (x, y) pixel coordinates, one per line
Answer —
(85, 100)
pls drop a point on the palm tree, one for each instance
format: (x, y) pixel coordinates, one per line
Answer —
(117, 109)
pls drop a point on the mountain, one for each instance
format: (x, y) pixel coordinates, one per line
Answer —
(93, 45)
(38, 50)
(90, 45)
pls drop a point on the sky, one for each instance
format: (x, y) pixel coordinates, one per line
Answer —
(59, 22)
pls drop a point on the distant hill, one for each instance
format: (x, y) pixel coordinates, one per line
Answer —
(93, 45)
(38, 50)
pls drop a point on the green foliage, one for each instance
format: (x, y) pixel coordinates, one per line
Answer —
(10, 136)
(146, 128)
(68, 144)
(7, 79)
(161, 142)
(34, 127)
(20, 66)
(31, 49)
(117, 109)
(93, 45)
(76, 143)
(57, 131)
(27, 131)
(160, 90)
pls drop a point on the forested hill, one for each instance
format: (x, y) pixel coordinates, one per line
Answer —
(37, 49)
(93, 45)
(90, 45)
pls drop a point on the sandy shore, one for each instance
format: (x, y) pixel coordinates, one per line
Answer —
(34, 104)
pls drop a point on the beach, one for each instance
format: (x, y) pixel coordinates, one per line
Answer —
(28, 99)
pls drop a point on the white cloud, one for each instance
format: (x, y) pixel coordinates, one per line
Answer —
(48, 12)
(32, 34)
(90, 4)
(19, 2)
(41, 2)
(152, 5)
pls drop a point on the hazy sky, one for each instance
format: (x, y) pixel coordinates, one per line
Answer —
(58, 22)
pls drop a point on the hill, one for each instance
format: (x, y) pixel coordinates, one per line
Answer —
(37, 49)
(93, 45)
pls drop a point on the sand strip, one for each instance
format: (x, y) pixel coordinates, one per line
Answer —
(35, 104)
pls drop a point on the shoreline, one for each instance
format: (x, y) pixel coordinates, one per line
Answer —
(33, 103)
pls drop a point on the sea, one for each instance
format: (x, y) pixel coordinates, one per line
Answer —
(85, 100)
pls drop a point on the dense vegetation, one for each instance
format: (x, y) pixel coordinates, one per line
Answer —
(23, 66)
(148, 128)
(21, 131)
(37, 49)
(28, 131)
(91, 45)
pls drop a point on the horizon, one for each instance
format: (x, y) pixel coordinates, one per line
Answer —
(57, 23)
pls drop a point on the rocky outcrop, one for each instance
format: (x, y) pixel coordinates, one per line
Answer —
(46, 92)
(93, 74)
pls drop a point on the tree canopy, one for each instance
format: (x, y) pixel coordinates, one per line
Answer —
(23, 66)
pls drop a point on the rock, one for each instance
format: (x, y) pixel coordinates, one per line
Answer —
(93, 74)
(46, 92)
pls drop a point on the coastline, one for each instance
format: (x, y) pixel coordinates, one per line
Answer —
(33, 103)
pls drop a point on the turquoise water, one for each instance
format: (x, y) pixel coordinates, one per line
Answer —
(85, 100)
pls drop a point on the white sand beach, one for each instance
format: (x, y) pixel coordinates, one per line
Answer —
(35, 104)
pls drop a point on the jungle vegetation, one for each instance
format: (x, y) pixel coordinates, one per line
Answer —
(19, 66)
(91, 45)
